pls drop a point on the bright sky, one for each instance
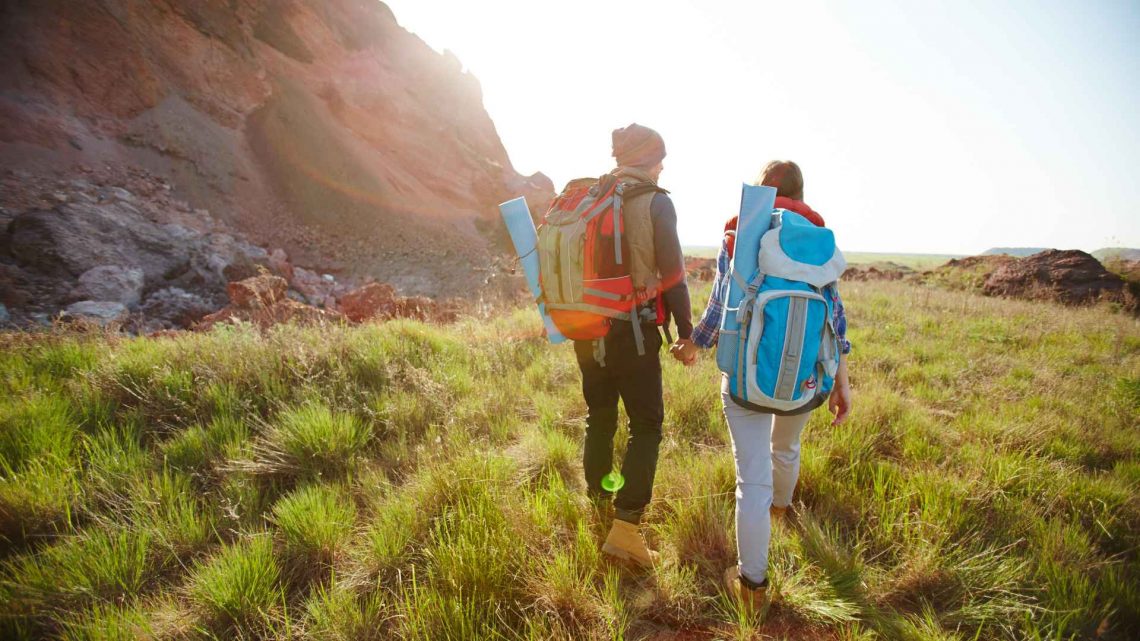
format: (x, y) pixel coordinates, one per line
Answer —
(933, 126)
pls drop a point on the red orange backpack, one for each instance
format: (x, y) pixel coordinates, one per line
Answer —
(584, 260)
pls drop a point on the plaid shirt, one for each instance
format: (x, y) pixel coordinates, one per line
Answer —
(708, 329)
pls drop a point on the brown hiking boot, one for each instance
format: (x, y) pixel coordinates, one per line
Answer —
(778, 513)
(626, 543)
(750, 599)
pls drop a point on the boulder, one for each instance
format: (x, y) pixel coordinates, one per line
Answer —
(175, 307)
(379, 301)
(370, 301)
(101, 312)
(234, 259)
(282, 311)
(74, 238)
(1071, 277)
(417, 307)
(315, 288)
(279, 264)
(257, 292)
(111, 283)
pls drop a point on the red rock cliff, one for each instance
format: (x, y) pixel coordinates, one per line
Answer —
(318, 125)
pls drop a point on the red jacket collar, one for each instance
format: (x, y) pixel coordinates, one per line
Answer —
(801, 208)
(782, 202)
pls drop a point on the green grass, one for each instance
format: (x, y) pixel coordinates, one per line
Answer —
(418, 482)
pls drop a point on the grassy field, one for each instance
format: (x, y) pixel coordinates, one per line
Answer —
(405, 481)
(914, 261)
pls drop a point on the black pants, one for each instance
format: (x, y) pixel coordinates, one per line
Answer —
(636, 380)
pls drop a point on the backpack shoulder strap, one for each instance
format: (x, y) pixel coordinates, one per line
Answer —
(632, 190)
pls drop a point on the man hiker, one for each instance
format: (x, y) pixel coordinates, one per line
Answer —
(625, 371)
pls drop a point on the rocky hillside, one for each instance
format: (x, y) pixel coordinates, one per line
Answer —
(317, 127)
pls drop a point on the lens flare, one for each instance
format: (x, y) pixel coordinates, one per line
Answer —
(613, 482)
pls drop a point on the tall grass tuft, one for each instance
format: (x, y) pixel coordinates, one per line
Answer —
(315, 523)
(334, 613)
(239, 585)
(309, 441)
(97, 565)
(108, 622)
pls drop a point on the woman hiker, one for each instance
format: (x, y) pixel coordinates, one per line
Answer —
(766, 447)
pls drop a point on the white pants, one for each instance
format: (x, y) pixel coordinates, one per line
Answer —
(767, 452)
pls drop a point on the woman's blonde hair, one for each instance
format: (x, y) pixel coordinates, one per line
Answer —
(785, 176)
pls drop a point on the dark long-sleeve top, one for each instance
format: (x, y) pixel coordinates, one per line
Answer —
(671, 263)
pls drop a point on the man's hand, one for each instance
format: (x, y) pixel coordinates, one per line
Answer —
(684, 350)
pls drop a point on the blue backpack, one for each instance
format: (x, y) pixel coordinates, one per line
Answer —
(780, 349)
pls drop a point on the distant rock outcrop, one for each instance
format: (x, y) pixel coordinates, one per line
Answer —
(1071, 277)
(320, 127)
(700, 269)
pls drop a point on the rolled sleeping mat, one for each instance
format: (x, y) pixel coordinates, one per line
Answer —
(516, 216)
(756, 206)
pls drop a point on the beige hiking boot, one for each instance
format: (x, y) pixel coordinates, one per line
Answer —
(751, 600)
(626, 543)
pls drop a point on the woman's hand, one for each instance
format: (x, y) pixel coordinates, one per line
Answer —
(840, 401)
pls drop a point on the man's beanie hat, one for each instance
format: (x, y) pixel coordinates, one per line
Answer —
(638, 146)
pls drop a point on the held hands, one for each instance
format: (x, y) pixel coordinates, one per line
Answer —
(685, 351)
